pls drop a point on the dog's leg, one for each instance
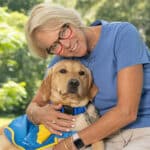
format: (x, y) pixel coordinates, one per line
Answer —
(98, 146)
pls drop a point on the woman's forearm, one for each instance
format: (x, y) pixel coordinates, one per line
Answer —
(106, 125)
(34, 108)
(129, 89)
(32, 112)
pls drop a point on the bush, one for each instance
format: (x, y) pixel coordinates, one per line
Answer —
(12, 97)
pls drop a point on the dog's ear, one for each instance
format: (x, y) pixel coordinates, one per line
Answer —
(45, 88)
(92, 87)
(92, 91)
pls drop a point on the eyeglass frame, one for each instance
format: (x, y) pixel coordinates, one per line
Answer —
(49, 50)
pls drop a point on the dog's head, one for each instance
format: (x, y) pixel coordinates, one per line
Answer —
(70, 83)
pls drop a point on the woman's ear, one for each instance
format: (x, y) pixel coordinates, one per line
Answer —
(93, 91)
(45, 88)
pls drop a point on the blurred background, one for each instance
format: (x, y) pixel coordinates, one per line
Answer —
(21, 73)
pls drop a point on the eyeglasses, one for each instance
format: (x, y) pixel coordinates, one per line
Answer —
(64, 33)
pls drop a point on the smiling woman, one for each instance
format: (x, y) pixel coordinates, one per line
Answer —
(120, 64)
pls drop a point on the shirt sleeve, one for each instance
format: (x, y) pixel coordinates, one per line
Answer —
(130, 49)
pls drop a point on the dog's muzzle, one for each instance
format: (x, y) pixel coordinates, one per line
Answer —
(73, 85)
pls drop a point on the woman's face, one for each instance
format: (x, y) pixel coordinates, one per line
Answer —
(67, 41)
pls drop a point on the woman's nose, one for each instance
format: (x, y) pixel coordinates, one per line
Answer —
(65, 43)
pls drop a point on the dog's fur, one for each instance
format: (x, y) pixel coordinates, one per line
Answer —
(70, 83)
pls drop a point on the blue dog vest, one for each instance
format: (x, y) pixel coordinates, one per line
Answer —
(23, 133)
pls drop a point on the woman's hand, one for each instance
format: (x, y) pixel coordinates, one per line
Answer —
(50, 116)
(65, 144)
(54, 120)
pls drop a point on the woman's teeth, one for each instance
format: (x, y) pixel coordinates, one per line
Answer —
(74, 47)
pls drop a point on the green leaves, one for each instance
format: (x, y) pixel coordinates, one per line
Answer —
(16, 64)
(11, 31)
(134, 11)
(22, 6)
(12, 95)
(10, 39)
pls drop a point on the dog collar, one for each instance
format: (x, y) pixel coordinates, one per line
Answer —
(74, 110)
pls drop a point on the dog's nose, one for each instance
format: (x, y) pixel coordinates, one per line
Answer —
(74, 83)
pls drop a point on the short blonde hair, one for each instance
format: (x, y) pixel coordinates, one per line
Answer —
(51, 17)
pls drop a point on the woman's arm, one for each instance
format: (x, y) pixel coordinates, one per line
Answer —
(34, 108)
(129, 87)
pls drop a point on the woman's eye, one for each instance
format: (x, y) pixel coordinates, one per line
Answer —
(81, 73)
(63, 71)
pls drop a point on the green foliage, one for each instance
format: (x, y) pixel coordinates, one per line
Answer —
(12, 95)
(19, 5)
(134, 11)
(13, 19)
(11, 40)
(65, 3)
(16, 63)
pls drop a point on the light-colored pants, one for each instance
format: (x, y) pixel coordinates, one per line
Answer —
(130, 139)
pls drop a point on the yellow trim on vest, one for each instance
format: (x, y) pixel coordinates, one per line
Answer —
(13, 139)
(43, 134)
(50, 145)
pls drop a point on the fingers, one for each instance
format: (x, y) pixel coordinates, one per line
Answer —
(54, 114)
(65, 123)
(56, 128)
(59, 128)
(61, 115)
(56, 121)
(53, 131)
(59, 125)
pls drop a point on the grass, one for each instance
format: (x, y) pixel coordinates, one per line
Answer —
(5, 119)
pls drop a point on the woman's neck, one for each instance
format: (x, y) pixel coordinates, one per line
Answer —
(93, 34)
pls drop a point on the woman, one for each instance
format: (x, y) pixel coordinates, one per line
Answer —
(120, 63)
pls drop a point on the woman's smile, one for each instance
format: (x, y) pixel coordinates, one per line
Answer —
(74, 47)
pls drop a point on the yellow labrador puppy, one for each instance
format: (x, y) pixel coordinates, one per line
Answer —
(68, 83)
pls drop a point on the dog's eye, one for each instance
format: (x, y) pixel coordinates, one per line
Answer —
(63, 71)
(81, 73)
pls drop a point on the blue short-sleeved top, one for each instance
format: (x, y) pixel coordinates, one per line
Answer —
(118, 47)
